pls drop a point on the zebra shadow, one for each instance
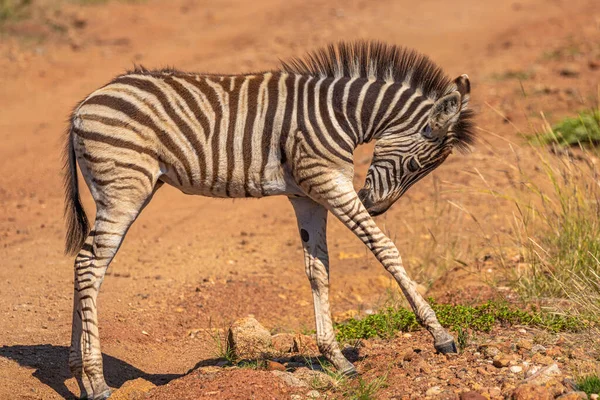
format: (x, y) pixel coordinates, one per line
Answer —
(51, 367)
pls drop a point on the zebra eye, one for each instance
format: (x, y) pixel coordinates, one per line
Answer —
(413, 166)
(426, 131)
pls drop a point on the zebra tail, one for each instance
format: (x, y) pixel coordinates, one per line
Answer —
(77, 222)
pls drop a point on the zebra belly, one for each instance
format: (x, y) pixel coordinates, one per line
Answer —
(275, 180)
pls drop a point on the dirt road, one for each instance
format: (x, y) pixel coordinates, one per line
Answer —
(192, 262)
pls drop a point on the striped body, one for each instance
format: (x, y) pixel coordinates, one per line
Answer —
(230, 136)
(290, 132)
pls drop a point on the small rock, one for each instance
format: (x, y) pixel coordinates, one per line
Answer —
(555, 387)
(515, 369)
(434, 390)
(290, 379)
(283, 342)
(594, 65)
(305, 344)
(315, 379)
(495, 392)
(525, 344)
(569, 70)
(454, 382)
(594, 396)
(531, 392)
(573, 396)
(544, 374)
(247, 338)
(539, 358)
(489, 351)
(274, 366)
(472, 396)
(133, 390)
(501, 362)
(538, 348)
(313, 394)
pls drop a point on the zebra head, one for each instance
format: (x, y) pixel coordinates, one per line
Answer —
(405, 153)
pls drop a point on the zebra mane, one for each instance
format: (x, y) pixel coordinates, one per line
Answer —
(373, 60)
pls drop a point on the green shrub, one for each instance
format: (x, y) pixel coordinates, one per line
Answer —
(589, 384)
(583, 129)
(459, 318)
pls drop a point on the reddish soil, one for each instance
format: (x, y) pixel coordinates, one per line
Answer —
(192, 262)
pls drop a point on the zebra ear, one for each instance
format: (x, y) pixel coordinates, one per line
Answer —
(463, 85)
(444, 110)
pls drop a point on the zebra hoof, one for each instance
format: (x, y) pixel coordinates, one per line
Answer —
(447, 348)
(103, 396)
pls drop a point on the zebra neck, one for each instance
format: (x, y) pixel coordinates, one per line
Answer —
(362, 109)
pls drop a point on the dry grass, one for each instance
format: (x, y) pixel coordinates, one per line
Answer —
(559, 229)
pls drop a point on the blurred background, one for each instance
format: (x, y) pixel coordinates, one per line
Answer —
(516, 219)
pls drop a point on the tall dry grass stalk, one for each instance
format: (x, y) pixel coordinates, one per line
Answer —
(558, 228)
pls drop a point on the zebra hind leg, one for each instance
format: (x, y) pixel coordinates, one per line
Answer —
(113, 219)
(312, 224)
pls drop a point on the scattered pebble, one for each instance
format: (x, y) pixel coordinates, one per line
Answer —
(525, 344)
(531, 392)
(501, 362)
(434, 390)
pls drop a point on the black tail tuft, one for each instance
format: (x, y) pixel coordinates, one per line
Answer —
(78, 225)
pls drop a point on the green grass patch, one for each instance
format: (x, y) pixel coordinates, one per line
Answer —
(589, 384)
(13, 9)
(363, 389)
(583, 129)
(459, 318)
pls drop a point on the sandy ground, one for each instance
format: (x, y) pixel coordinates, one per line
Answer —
(193, 262)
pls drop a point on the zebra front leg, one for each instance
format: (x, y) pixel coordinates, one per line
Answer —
(312, 224)
(344, 203)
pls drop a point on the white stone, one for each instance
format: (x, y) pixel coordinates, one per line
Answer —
(432, 391)
(515, 369)
(290, 379)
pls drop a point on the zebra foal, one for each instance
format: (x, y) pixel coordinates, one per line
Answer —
(291, 132)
